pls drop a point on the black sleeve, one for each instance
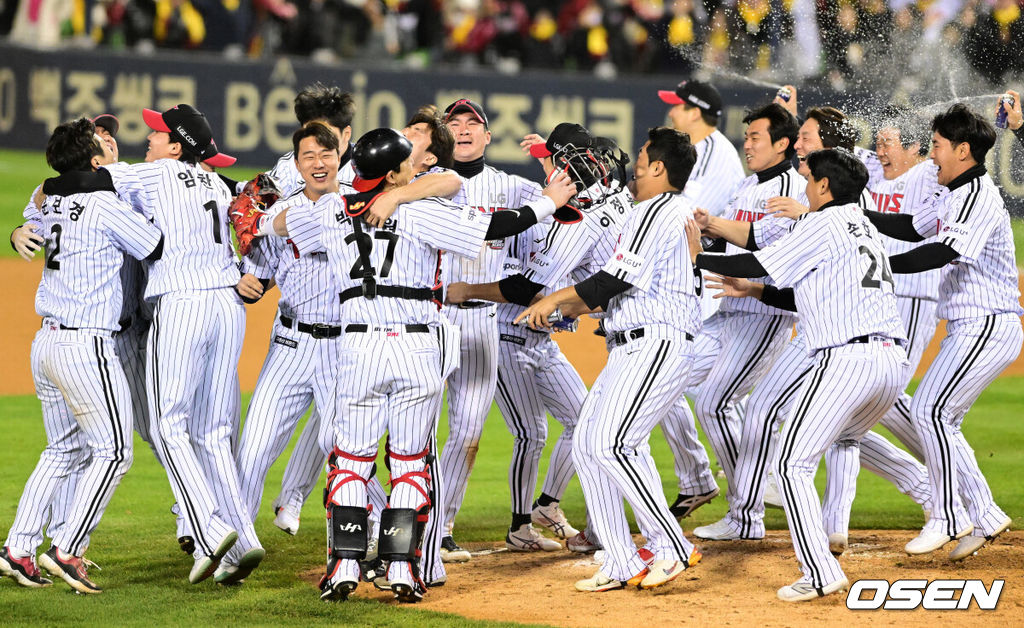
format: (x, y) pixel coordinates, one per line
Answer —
(713, 245)
(518, 289)
(508, 223)
(899, 226)
(927, 257)
(598, 289)
(751, 244)
(782, 298)
(157, 252)
(231, 183)
(742, 265)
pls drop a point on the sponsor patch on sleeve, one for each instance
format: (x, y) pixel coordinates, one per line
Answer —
(626, 262)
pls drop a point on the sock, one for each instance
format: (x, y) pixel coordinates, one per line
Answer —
(519, 520)
(545, 500)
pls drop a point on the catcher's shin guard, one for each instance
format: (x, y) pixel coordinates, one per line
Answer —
(401, 533)
(347, 531)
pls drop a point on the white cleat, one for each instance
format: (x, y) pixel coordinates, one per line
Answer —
(287, 519)
(928, 541)
(720, 530)
(528, 539)
(582, 543)
(451, 552)
(553, 518)
(971, 544)
(837, 543)
(801, 590)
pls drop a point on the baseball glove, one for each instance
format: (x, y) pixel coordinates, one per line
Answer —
(246, 218)
(264, 188)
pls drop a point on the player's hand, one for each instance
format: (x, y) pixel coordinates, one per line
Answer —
(39, 198)
(693, 239)
(785, 207)
(26, 241)
(702, 217)
(560, 188)
(1014, 117)
(382, 208)
(530, 140)
(791, 105)
(458, 292)
(536, 316)
(249, 287)
(112, 143)
(733, 287)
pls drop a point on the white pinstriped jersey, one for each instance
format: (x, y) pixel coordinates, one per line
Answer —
(748, 205)
(602, 250)
(870, 160)
(835, 262)
(716, 174)
(488, 192)
(190, 206)
(983, 280)
(910, 193)
(653, 256)
(86, 237)
(309, 291)
(405, 252)
(289, 180)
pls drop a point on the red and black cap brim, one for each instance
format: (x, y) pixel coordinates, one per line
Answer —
(155, 121)
(670, 96)
(365, 185)
(540, 150)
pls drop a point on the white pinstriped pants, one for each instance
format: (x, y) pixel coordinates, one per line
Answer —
(87, 416)
(847, 390)
(192, 370)
(611, 449)
(533, 379)
(471, 389)
(973, 353)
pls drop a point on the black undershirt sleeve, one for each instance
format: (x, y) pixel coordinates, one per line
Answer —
(927, 257)
(782, 298)
(231, 183)
(899, 226)
(157, 252)
(518, 289)
(508, 223)
(751, 243)
(598, 289)
(742, 265)
(716, 245)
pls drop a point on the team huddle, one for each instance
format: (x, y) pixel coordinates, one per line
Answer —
(407, 266)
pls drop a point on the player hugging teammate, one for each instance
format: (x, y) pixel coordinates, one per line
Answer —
(407, 264)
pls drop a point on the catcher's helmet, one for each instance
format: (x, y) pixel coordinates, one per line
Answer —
(377, 153)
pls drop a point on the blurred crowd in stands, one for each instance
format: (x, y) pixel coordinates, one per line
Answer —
(873, 42)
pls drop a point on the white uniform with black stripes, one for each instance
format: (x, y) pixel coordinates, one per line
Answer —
(836, 264)
(979, 297)
(402, 350)
(534, 378)
(657, 319)
(752, 333)
(194, 345)
(87, 404)
(471, 387)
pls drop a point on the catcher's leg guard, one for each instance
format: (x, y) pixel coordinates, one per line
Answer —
(348, 531)
(401, 532)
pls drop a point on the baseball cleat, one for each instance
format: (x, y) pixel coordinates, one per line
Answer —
(72, 569)
(600, 582)
(451, 552)
(971, 544)
(685, 504)
(22, 570)
(661, 572)
(929, 541)
(553, 518)
(206, 565)
(381, 583)
(187, 544)
(801, 590)
(440, 582)
(234, 574)
(582, 543)
(528, 539)
(287, 520)
(406, 586)
(721, 530)
(372, 569)
(837, 543)
(338, 591)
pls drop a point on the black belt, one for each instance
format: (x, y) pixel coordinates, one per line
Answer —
(472, 305)
(316, 330)
(409, 329)
(867, 339)
(622, 337)
(394, 292)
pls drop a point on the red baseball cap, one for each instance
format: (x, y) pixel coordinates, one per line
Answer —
(465, 104)
(188, 126)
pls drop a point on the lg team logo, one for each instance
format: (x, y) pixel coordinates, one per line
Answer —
(937, 595)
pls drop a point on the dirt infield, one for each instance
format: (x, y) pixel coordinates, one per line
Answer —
(20, 323)
(734, 585)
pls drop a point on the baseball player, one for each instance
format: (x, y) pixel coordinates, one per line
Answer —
(649, 290)
(198, 319)
(832, 268)
(392, 336)
(79, 380)
(979, 297)
(533, 375)
(471, 387)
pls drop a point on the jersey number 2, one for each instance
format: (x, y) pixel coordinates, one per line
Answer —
(869, 280)
(367, 243)
(51, 259)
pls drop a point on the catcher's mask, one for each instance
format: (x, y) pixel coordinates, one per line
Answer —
(589, 170)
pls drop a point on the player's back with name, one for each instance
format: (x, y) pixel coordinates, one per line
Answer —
(190, 206)
(404, 252)
(836, 264)
(87, 236)
(653, 256)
